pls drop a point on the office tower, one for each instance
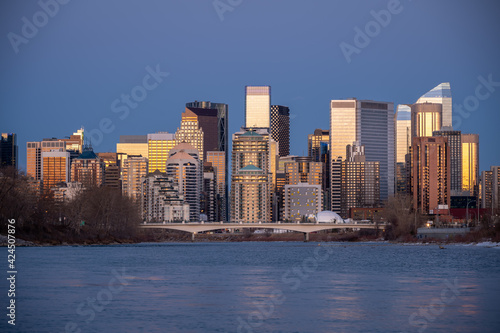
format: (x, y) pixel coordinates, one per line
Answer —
(159, 145)
(204, 119)
(430, 183)
(302, 201)
(223, 146)
(34, 160)
(455, 143)
(209, 194)
(280, 128)
(370, 123)
(360, 181)
(54, 168)
(402, 122)
(425, 119)
(317, 143)
(111, 170)
(490, 189)
(136, 145)
(161, 201)
(303, 170)
(257, 106)
(183, 166)
(87, 169)
(470, 163)
(8, 150)
(250, 179)
(440, 94)
(218, 160)
(133, 169)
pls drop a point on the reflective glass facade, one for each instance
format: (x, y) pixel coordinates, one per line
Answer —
(257, 106)
(426, 118)
(159, 145)
(470, 163)
(440, 94)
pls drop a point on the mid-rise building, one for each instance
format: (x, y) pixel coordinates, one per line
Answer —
(159, 146)
(257, 106)
(441, 94)
(280, 128)
(304, 170)
(87, 169)
(371, 123)
(134, 168)
(112, 178)
(55, 168)
(136, 145)
(302, 201)
(250, 179)
(8, 150)
(430, 170)
(490, 189)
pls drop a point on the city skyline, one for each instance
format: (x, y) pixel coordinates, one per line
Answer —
(66, 80)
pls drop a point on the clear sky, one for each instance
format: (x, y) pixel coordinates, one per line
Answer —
(70, 68)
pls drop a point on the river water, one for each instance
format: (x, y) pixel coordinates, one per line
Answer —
(256, 287)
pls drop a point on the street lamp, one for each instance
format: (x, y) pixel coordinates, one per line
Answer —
(467, 211)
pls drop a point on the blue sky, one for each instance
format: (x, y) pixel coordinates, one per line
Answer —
(88, 53)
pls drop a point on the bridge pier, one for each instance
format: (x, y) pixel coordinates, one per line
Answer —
(192, 236)
(306, 237)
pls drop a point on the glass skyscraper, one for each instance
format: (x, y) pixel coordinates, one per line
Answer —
(257, 106)
(402, 120)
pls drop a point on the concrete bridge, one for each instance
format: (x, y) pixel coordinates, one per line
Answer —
(306, 228)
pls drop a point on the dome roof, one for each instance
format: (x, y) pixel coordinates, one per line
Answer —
(328, 216)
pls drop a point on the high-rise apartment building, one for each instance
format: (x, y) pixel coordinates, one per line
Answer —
(303, 170)
(208, 202)
(88, 169)
(455, 143)
(134, 168)
(470, 163)
(441, 94)
(112, 178)
(430, 170)
(55, 166)
(159, 146)
(360, 181)
(161, 201)
(183, 166)
(8, 150)
(250, 179)
(402, 121)
(490, 181)
(425, 119)
(370, 123)
(280, 128)
(257, 106)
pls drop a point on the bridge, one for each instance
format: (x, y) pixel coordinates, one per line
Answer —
(306, 228)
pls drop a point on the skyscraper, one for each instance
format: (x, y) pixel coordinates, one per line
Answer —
(159, 145)
(250, 179)
(218, 160)
(223, 146)
(257, 106)
(455, 143)
(370, 123)
(430, 170)
(441, 94)
(192, 133)
(490, 188)
(425, 119)
(402, 120)
(8, 150)
(207, 122)
(183, 166)
(136, 145)
(317, 143)
(280, 128)
(54, 168)
(470, 163)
